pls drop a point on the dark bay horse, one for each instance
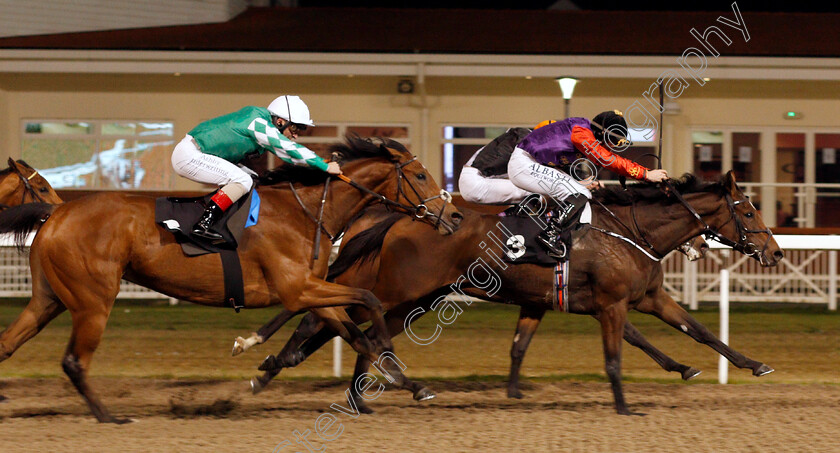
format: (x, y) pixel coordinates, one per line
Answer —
(609, 276)
(84, 247)
(21, 184)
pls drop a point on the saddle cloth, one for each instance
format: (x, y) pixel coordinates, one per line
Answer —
(179, 215)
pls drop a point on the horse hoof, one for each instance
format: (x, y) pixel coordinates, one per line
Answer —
(690, 373)
(238, 346)
(3, 399)
(424, 394)
(515, 393)
(256, 386)
(364, 409)
(118, 421)
(762, 370)
(269, 364)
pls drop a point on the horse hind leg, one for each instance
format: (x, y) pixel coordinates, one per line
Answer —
(42, 308)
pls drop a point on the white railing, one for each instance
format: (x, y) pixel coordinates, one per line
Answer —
(808, 274)
(805, 196)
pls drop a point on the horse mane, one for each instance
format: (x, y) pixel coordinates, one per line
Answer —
(353, 148)
(652, 192)
(363, 247)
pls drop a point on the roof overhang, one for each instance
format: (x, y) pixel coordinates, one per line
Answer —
(419, 65)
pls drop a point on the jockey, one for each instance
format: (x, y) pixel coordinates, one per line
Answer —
(563, 143)
(209, 152)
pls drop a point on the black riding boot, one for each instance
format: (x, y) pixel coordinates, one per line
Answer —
(559, 225)
(211, 215)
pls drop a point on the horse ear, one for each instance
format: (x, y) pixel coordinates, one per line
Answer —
(395, 154)
(11, 162)
(730, 183)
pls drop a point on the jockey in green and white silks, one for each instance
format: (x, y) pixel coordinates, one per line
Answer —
(209, 153)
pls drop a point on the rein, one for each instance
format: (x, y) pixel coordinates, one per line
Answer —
(747, 248)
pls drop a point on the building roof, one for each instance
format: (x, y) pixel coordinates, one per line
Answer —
(469, 32)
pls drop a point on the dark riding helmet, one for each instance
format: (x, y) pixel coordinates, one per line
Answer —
(613, 123)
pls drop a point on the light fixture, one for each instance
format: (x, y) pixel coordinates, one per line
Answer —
(567, 87)
(793, 115)
(405, 86)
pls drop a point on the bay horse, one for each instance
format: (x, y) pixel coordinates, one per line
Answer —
(609, 275)
(85, 246)
(21, 184)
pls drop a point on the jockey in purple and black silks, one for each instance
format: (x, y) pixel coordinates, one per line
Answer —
(534, 166)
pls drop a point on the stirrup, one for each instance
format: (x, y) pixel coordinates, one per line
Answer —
(555, 249)
(207, 234)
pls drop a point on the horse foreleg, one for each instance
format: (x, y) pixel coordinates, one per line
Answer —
(310, 335)
(665, 308)
(262, 334)
(612, 318)
(395, 319)
(529, 320)
(635, 338)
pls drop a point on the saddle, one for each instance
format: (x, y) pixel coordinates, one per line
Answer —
(179, 215)
(525, 227)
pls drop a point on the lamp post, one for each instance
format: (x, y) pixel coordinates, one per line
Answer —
(567, 86)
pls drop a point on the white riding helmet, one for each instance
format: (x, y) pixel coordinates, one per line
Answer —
(291, 108)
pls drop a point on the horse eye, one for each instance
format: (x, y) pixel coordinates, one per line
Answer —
(749, 215)
(44, 189)
(421, 176)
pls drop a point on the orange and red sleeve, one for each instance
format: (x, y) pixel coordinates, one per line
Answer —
(585, 142)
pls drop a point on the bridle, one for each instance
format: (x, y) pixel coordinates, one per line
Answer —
(420, 210)
(27, 188)
(742, 245)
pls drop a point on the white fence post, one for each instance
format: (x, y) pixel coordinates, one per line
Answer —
(723, 364)
(337, 356)
(693, 302)
(832, 280)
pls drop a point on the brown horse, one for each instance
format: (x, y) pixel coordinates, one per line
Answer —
(21, 184)
(83, 248)
(610, 276)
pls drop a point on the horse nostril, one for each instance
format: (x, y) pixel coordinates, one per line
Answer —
(457, 217)
(778, 254)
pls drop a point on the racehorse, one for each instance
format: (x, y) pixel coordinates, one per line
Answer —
(21, 184)
(85, 246)
(610, 276)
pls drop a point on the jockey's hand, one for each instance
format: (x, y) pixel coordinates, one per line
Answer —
(595, 185)
(656, 175)
(333, 168)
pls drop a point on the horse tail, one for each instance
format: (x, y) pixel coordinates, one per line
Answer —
(23, 219)
(362, 247)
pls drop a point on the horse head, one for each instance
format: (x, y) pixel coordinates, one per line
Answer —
(23, 184)
(737, 223)
(403, 183)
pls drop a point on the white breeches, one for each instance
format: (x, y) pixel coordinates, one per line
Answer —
(477, 188)
(189, 162)
(528, 174)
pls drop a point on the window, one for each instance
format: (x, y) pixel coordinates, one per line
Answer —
(827, 171)
(100, 154)
(459, 144)
(708, 154)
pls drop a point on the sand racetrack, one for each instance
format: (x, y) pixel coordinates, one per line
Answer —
(47, 415)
